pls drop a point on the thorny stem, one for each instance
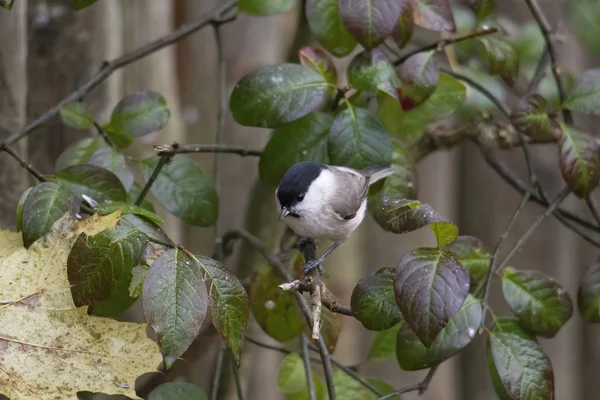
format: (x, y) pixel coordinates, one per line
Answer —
(161, 163)
(307, 371)
(176, 148)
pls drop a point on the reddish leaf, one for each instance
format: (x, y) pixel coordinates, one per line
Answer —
(318, 60)
(419, 77)
(370, 21)
(531, 117)
(434, 14)
(405, 26)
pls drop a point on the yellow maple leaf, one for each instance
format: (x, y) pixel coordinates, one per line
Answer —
(49, 349)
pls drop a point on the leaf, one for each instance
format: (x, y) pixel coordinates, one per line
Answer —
(140, 114)
(77, 153)
(501, 57)
(20, 208)
(531, 117)
(358, 140)
(303, 394)
(403, 181)
(373, 301)
(290, 374)
(81, 4)
(145, 226)
(113, 161)
(585, 94)
(405, 25)
(7, 4)
(302, 140)
(175, 302)
(265, 7)
(348, 388)
(371, 71)
(45, 204)
(184, 189)
(582, 16)
(76, 115)
(473, 255)
(447, 98)
(384, 344)
(177, 391)
(370, 21)
(482, 8)
(420, 77)
(118, 138)
(126, 208)
(277, 94)
(435, 15)
(43, 333)
(517, 363)
(275, 310)
(330, 329)
(228, 305)
(383, 387)
(430, 287)
(461, 329)
(98, 183)
(529, 45)
(138, 276)
(579, 158)
(99, 269)
(326, 24)
(389, 112)
(540, 303)
(588, 296)
(317, 60)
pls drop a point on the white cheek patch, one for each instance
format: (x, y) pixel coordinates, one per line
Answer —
(318, 193)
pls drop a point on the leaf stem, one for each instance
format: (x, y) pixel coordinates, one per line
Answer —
(102, 133)
(307, 370)
(539, 72)
(176, 148)
(161, 163)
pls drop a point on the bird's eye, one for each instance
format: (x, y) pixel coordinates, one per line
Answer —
(300, 197)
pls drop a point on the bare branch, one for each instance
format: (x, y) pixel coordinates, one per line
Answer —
(176, 148)
(161, 163)
(30, 168)
(103, 134)
(310, 383)
(593, 208)
(421, 387)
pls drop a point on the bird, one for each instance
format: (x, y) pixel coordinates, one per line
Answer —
(325, 202)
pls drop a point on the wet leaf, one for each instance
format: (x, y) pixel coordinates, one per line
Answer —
(326, 24)
(588, 298)
(184, 189)
(177, 391)
(412, 355)
(319, 61)
(76, 115)
(113, 161)
(96, 182)
(473, 255)
(482, 8)
(175, 302)
(434, 14)
(302, 140)
(430, 287)
(265, 7)
(517, 363)
(373, 301)
(585, 94)
(384, 344)
(370, 21)
(501, 57)
(277, 94)
(138, 276)
(126, 208)
(420, 77)
(275, 310)
(140, 114)
(78, 153)
(579, 157)
(531, 117)
(372, 71)
(358, 140)
(405, 25)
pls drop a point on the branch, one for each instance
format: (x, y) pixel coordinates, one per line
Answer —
(176, 148)
(30, 168)
(593, 208)
(539, 72)
(439, 45)
(214, 393)
(104, 135)
(108, 68)
(161, 163)
(310, 383)
(421, 387)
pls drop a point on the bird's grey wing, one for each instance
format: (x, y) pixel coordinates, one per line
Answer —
(352, 190)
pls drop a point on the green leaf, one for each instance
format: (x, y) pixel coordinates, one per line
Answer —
(140, 114)
(184, 189)
(177, 391)
(119, 139)
(302, 140)
(501, 57)
(78, 153)
(20, 208)
(585, 94)
(445, 101)
(98, 183)
(7, 4)
(113, 161)
(403, 181)
(319, 61)
(99, 269)
(473, 255)
(358, 140)
(531, 117)
(320, 391)
(373, 301)
(389, 112)
(430, 287)
(405, 25)
(583, 16)
(175, 302)
(529, 45)
(588, 297)
(435, 15)
(372, 71)
(383, 387)
(420, 77)
(126, 208)
(326, 24)
(277, 94)
(265, 7)
(76, 115)
(579, 157)
(412, 355)
(383, 347)
(290, 375)
(228, 305)
(275, 310)
(45, 204)
(348, 388)
(482, 8)
(138, 276)
(518, 365)
(145, 226)
(133, 195)
(370, 21)
(540, 303)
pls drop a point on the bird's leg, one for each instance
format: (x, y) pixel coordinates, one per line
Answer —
(316, 263)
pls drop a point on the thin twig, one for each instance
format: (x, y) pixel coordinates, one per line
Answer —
(441, 44)
(30, 168)
(539, 72)
(161, 163)
(310, 383)
(544, 25)
(214, 393)
(108, 68)
(176, 148)
(102, 133)
(421, 387)
(236, 378)
(593, 208)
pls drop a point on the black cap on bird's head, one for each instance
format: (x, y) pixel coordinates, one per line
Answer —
(295, 183)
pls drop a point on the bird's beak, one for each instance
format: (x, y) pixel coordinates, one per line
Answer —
(284, 213)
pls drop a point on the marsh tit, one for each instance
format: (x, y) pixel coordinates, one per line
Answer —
(325, 202)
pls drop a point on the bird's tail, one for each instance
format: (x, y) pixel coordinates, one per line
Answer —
(376, 173)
